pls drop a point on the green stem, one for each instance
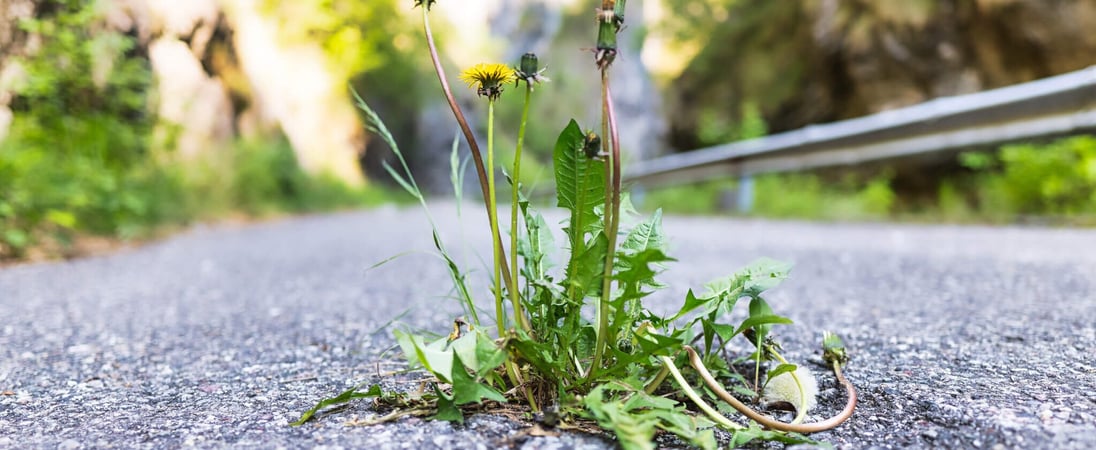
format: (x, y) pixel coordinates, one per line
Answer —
(612, 216)
(499, 259)
(492, 216)
(655, 382)
(519, 314)
(473, 145)
(515, 378)
(801, 411)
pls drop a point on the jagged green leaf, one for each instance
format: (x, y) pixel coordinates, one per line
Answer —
(489, 354)
(536, 244)
(723, 293)
(634, 416)
(345, 397)
(633, 431)
(580, 181)
(587, 268)
(646, 236)
(754, 432)
(447, 408)
(468, 389)
(580, 187)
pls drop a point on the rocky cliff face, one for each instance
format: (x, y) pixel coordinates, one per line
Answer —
(220, 73)
(824, 60)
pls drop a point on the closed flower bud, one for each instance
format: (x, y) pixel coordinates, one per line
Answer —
(529, 70)
(529, 63)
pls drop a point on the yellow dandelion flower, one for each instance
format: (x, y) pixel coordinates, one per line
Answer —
(488, 79)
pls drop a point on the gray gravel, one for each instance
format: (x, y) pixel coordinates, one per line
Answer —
(963, 337)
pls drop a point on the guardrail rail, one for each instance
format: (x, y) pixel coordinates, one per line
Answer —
(1059, 105)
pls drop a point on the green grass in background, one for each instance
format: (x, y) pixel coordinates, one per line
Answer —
(49, 200)
(80, 158)
(788, 196)
(1052, 182)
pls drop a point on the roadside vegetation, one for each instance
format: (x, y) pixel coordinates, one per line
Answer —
(1052, 183)
(81, 157)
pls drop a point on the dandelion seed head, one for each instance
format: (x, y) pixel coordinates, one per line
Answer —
(782, 388)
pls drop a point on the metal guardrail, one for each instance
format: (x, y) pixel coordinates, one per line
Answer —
(1059, 105)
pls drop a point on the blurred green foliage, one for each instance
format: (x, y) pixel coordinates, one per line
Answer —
(1052, 182)
(715, 128)
(1055, 179)
(76, 153)
(79, 157)
(809, 196)
(785, 196)
(370, 45)
(358, 36)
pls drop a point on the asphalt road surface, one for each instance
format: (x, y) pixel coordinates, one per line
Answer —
(962, 337)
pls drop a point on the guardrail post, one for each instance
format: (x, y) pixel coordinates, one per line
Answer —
(745, 201)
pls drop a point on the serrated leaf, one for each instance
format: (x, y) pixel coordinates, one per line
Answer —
(723, 293)
(345, 397)
(542, 356)
(646, 236)
(580, 188)
(488, 353)
(764, 274)
(536, 244)
(636, 270)
(580, 181)
(633, 431)
(587, 268)
(467, 389)
(634, 415)
(447, 409)
(754, 432)
(476, 350)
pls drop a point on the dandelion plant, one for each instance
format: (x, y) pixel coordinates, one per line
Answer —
(626, 369)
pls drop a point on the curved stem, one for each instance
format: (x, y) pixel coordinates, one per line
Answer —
(477, 157)
(832, 422)
(519, 314)
(668, 363)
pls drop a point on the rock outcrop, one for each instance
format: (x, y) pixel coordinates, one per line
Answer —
(293, 88)
(823, 60)
(221, 72)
